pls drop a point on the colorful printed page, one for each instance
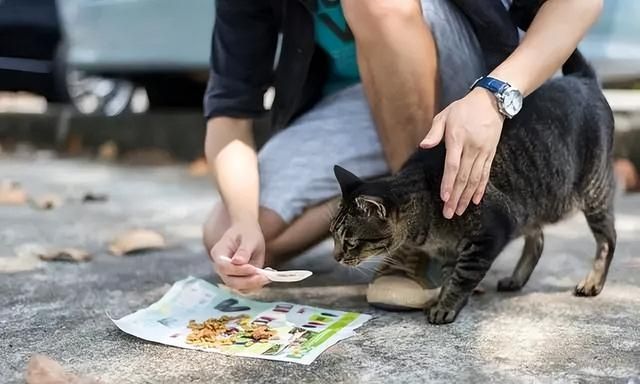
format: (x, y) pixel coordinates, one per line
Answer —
(194, 314)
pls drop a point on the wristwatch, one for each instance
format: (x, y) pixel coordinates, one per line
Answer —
(509, 98)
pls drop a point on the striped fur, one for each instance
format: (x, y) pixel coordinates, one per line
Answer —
(554, 158)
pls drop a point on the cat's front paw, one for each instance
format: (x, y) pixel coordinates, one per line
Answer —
(438, 314)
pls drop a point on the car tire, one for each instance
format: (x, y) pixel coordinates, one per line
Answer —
(90, 94)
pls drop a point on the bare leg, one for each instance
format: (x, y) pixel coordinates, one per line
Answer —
(397, 59)
(283, 242)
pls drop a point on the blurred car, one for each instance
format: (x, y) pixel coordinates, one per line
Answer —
(29, 48)
(159, 45)
(163, 46)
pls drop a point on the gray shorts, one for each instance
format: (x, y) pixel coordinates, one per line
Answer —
(296, 164)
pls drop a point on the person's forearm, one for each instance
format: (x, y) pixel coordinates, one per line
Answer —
(551, 38)
(231, 154)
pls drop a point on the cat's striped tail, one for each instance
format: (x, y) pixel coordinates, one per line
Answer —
(577, 65)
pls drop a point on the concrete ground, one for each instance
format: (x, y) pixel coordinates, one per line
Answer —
(542, 334)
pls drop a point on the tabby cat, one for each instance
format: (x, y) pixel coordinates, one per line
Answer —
(554, 157)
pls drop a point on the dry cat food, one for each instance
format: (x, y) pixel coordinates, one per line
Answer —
(228, 330)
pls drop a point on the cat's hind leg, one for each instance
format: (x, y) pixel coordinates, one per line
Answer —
(603, 229)
(601, 220)
(533, 245)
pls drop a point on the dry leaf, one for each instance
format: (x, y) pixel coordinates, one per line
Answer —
(11, 193)
(137, 240)
(46, 202)
(95, 198)
(108, 151)
(199, 167)
(65, 254)
(44, 370)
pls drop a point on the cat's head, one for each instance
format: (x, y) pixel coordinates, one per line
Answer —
(368, 220)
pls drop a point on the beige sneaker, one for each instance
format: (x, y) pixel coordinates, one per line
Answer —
(409, 284)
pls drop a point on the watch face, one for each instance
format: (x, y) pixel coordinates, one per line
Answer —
(512, 101)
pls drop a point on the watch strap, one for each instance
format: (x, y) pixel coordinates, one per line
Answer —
(492, 84)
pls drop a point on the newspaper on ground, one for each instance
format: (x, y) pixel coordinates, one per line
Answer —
(297, 333)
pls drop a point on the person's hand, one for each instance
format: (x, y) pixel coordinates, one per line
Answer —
(237, 256)
(471, 129)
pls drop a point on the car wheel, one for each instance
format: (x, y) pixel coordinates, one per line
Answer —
(98, 95)
(90, 94)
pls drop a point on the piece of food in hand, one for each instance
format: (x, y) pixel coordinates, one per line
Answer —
(291, 276)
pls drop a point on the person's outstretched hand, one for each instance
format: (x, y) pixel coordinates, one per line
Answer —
(237, 255)
(471, 130)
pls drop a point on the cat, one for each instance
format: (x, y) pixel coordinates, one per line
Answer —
(554, 157)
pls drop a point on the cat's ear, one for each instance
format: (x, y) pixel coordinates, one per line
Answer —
(347, 180)
(372, 205)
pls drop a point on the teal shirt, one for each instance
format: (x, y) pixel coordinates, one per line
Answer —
(334, 36)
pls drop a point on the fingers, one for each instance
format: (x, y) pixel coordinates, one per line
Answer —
(224, 267)
(461, 181)
(451, 167)
(475, 177)
(246, 284)
(222, 254)
(434, 137)
(486, 172)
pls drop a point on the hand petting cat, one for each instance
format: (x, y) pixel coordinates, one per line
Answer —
(471, 130)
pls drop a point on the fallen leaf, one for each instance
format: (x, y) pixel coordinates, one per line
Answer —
(108, 151)
(46, 202)
(137, 240)
(11, 193)
(95, 198)
(65, 254)
(199, 167)
(44, 370)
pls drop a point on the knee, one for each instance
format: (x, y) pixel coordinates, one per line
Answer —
(370, 18)
(271, 224)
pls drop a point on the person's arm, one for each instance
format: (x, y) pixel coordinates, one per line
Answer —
(242, 52)
(471, 126)
(231, 154)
